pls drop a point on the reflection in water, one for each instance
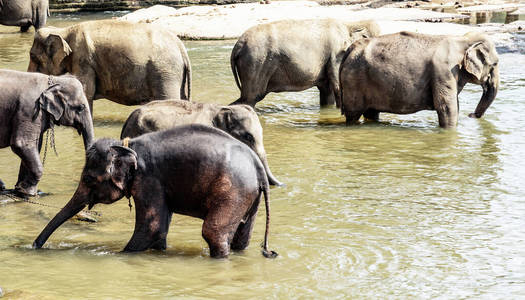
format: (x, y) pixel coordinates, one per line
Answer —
(397, 208)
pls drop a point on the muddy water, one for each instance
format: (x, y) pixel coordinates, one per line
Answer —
(397, 209)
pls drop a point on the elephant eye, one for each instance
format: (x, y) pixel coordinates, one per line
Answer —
(249, 138)
(81, 107)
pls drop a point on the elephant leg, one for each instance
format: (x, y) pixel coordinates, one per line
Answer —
(326, 95)
(333, 80)
(162, 243)
(242, 236)
(31, 170)
(446, 102)
(219, 227)
(88, 80)
(152, 220)
(254, 83)
(371, 114)
(352, 117)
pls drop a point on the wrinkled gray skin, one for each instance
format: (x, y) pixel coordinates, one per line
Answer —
(240, 121)
(294, 55)
(186, 170)
(382, 74)
(24, 13)
(29, 105)
(128, 63)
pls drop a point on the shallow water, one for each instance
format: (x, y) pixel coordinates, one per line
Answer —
(395, 209)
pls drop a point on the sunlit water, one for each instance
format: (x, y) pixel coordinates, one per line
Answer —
(395, 209)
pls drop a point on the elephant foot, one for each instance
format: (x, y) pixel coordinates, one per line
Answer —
(25, 191)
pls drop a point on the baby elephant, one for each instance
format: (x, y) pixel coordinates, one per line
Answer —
(240, 121)
(32, 103)
(187, 170)
(407, 72)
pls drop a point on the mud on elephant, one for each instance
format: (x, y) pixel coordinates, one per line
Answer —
(185, 170)
(294, 55)
(382, 74)
(241, 121)
(32, 103)
(24, 13)
(128, 63)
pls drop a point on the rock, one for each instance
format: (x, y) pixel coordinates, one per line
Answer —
(227, 22)
(86, 216)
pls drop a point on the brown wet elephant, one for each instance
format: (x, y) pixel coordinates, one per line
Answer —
(32, 103)
(294, 55)
(24, 13)
(241, 121)
(128, 63)
(407, 72)
(187, 170)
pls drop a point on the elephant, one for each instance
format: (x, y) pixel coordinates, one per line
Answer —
(187, 170)
(30, 104)
(240, 121)
(384, 74)
(294, 55)
(24, 13)
(128, 63)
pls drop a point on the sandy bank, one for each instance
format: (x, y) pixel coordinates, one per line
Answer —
(230, 21)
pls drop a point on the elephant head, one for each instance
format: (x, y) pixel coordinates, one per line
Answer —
(242, 122)
(49, 53)
(65, 104)
(480, 63)
(107, 177)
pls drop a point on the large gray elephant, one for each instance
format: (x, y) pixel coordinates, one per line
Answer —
(24, 13)
(240, 121)
(294, 55)
(186, 170)
(407, 72)
(32, 103)
(128, 63)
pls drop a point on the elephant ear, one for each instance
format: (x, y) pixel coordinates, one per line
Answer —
(57, 48)
(52, 101)
(474, 60)
(224, 119)
(123, 167)
(360, 33)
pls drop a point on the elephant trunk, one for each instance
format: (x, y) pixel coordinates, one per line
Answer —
(271, 179)
(490, 89)
(87, 132)
(74, 206)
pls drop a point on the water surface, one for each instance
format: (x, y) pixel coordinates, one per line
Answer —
(395, 209)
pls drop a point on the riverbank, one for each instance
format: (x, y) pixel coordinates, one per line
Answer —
(64, 6)
(230, 21)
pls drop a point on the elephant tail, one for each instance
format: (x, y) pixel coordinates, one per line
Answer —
(187, 77)
(267, 253)
(233, 59)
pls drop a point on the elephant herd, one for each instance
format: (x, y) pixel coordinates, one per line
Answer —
(206, 160)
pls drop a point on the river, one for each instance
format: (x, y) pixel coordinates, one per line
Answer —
(394, 209)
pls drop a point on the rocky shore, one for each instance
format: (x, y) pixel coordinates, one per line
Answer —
(114, 5)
